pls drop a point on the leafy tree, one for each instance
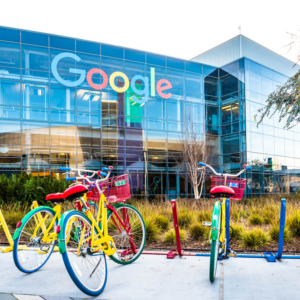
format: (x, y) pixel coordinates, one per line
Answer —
(285, 101)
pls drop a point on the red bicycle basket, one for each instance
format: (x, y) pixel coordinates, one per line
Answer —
(237, 184)
(119, 190)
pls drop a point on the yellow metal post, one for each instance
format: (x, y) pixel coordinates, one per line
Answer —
(7, 233)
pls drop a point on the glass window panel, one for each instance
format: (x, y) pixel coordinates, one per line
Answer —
(266, 86)
(62, 97)
(175, 63)
(35, 95)
(193, 67)
(196, 111)
(226, 114)
(193, 83)
(156, 124)
(229, 84)
(256, 142)
(230, 144)
(35, 76)
(34, 38)
(155, 108)
(279, 146)
(211, 86)
(157, 140)
(89, 136)
(87, 47)
(296, 149)
(268, 144)
(63, 135)
(111, 65)
(62, 43)
(254, 82)
(88, 118)
(289, 134)
(10, 132)
(35, 58)
(9, 93)
(88, 100)
(9, 55)
(174, 110)
(268, 130)
(112, 51)
(255, 67)
(35, 114)
(266, 72)
(155, 59)
(62, 155)
(134, 55)
(10, 150)
(235, 112)
(193, 97)
(208, 70)
(9, 112)
(135, 138)
(10, 35)
(174, 141)
(289, 148)
(212, 115)
(132, 68)
(174, 126)
(62, 116)
(35, 133)
(176, 79)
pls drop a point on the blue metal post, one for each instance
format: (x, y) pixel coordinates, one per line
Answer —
(227, 223)
(281, 228)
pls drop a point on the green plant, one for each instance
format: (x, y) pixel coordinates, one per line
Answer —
(163, 222)
(204, 216)
(185, 218)
(197, 230)
(294, 224)
(255, 219)
(270, 214)
(152, 230)
(170, 236)
(255, 238)
(236, 231)
(274, 234)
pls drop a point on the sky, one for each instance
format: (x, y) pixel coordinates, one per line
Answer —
(181, 29)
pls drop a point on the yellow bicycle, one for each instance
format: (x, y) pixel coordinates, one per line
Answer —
(84, 241)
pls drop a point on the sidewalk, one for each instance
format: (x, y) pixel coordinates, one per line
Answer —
(155, 277)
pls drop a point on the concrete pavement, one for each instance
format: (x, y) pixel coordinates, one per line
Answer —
(155, 277)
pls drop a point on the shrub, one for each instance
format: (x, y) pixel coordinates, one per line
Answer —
(152, 230)
(255, 238)
(170, 236)
(270, 214)
(236, 231)
(197, 230)
(294, 224)
(163, 222)
(185, 218)
(274, 234)
(204, 216)
(255, 219)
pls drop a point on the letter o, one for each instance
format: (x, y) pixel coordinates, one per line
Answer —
(90, 80)
(112, 82)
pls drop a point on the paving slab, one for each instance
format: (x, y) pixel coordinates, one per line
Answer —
(150, 277)
(155, 277)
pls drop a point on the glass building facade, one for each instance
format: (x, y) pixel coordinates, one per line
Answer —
(70, 102)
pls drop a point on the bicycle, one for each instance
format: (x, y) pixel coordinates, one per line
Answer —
(232, 189)
(85, 241)
(35, 236)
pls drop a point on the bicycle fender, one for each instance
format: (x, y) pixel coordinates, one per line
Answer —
(215, 221)
(27, 216)
(60, 234)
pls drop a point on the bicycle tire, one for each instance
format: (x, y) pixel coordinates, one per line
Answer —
(138, 217)
(17, 259)
(215, 242)
(71, 266)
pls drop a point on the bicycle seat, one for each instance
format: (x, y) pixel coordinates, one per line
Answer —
(75, 192)
(222, 191)
(58, 197)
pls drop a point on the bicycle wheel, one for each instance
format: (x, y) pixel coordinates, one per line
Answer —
(32, 248)
(87, 269)
(215, 241)
(126, 226)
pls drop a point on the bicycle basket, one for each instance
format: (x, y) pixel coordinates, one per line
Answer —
(115, 189)
(237, 184)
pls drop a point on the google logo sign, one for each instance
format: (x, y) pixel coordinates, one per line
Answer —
(161, 86)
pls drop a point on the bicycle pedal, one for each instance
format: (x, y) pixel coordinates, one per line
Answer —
(206, 224)
(232, 253)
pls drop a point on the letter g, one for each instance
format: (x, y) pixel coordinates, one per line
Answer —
(56, 60)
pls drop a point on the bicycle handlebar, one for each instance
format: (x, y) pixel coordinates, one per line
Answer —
(245, 168)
